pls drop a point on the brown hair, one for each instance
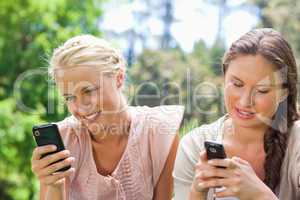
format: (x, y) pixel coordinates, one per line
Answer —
(272, 46)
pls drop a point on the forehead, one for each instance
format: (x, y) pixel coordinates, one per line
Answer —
(253, 69)
(78, 77)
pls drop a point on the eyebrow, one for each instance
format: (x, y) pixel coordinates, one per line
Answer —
(67, 94)
(82, 89)
(265, 85)
(237, 78)
(260, 85)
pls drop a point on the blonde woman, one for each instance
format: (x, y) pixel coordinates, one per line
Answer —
(116, 151)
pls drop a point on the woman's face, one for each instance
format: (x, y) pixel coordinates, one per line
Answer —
(252, 91)
(90, 95)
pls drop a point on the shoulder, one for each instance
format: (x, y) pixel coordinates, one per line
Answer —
(196, 137)
(189, 148)
(293, 150)
(290, 180)
(160, 124)
(156, 129)
(295, 130)
(160, 119)
(70, 132)
(294, 138)
(160, 112)
(68, 126)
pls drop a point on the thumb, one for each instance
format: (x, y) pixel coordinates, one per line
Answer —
(239, 160)
(203, 156)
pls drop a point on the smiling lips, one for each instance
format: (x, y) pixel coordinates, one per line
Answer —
(243, 114)
(92, 117)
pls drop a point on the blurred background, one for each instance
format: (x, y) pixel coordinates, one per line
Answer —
(173, 49)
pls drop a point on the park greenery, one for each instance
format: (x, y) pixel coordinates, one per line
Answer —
(31, 29)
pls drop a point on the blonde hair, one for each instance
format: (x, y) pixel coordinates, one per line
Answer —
(86, 50)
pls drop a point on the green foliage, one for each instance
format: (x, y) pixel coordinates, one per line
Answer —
(188, 125)
(216, 54)
(211, 57)
(16, 143)
(282, 15)
(173, 77)
(29, 31)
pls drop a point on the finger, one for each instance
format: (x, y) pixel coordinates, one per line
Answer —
(203, 156)
(46, 161)
(57, 176)
(240, 161)
(39, 151)
(216, 182)
(227, 192)
(198, 187)
(215, 173)
(226, 163)
(198, 177)
(56, 166)
(202, 160)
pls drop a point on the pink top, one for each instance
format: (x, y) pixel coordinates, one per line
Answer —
(151, 135)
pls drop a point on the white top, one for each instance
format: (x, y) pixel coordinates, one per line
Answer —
(193, 143)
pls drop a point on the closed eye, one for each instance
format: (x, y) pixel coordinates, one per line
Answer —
(69, 98)
(263, 91)
(90, 90)
(237, 83)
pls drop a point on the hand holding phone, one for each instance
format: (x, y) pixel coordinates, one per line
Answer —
(214, 150)
(48, 134)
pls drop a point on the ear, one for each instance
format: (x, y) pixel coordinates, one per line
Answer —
(120, 78)
(284, 93)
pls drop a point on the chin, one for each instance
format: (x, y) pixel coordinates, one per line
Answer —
(249, 123)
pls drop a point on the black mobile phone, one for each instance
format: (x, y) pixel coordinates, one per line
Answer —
(214, 150)
(48, 134)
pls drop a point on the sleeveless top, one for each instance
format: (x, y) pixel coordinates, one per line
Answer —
(151, 134)
(193, 143)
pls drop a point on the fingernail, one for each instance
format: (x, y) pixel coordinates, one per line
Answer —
(53, 147)
(200, 174)
(200, 185)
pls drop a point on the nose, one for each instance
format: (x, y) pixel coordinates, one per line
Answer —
(246, 99)
(82, 106)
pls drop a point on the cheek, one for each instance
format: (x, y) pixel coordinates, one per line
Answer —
(110, 96)
(110, 99)
(72, 109)
(97, 98)
(266, 105)
(231, 96)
